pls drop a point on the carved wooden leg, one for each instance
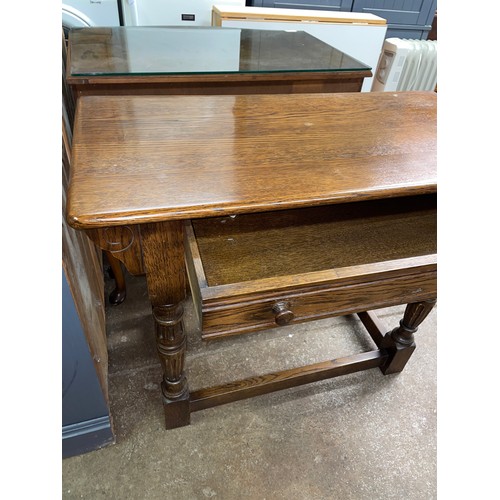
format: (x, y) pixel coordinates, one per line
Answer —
(400, 342)
(163, 251)
(117, 296)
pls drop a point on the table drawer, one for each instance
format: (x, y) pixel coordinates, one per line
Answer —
(256, 271)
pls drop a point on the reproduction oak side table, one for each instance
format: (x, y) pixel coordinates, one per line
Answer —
(282, 208)
(206, 60)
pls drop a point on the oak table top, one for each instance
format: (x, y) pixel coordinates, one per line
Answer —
(139, 159)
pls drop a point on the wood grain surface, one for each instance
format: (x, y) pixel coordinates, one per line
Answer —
(274, 14)
(224, 84)
(140, 159)
(246, 317)
(255, 246)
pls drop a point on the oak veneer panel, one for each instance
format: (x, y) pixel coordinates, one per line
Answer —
(265, 245)
(276, 14)
(140, 159)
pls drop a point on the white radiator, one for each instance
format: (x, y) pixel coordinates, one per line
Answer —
(406, 65)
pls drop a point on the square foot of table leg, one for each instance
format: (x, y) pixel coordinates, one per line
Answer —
(398, 353)
(177, 412)
(398, 357)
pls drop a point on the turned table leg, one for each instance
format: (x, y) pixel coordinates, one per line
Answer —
(118, 295)
(400, 342)
(163, 251)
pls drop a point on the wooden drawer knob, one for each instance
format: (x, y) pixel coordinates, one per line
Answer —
(283, 315)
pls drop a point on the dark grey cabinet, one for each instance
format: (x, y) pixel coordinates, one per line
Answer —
(86, 421)
(341, 5)
(405, 18)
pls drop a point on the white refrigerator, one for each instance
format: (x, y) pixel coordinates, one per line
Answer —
(171, 12)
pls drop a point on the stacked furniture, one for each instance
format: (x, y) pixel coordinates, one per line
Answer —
(359, 35)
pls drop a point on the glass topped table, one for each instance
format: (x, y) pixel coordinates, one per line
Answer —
(206, 60)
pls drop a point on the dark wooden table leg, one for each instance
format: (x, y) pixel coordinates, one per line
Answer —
(118, 295)
(400, 342)
(163, 251)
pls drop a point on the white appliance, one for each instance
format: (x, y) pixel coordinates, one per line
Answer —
(84, 13)
(406, 65)
(359, 35)
(171, 12)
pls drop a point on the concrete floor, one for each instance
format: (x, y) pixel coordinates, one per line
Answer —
(361, 436)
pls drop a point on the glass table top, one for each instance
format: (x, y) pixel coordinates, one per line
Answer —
(200, 50)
